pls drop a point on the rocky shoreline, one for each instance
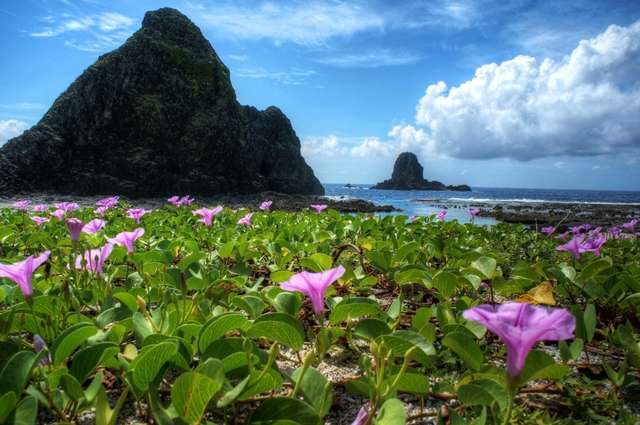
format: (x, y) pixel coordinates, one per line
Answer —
(281, 201)
(538, 215)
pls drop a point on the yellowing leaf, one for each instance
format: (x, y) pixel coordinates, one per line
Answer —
(541, 294)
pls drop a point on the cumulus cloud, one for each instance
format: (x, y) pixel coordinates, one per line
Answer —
(372, 146)
(291, 77)
(10, 129)
(328, 146)
(586, 104)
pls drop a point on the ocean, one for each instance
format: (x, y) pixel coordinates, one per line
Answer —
(404, 200)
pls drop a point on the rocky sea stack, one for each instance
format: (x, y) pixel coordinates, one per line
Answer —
(155, 117)
(408, 175)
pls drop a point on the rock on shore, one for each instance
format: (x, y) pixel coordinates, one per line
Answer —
(154, 117)
(408, 175)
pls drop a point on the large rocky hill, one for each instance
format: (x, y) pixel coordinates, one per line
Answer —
(154, 117)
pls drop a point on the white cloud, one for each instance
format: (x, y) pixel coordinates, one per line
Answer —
(586, 104)
(239, 58)
(23, 106)
(306, 23)
(328, 146)
(372, 146)
(371, 59)
(10, 129)
(99, 32)
(292, 77)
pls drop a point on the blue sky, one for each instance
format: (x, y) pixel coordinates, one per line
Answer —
(489, 93)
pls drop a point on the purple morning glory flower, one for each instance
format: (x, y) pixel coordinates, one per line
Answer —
(59, 214)
(66, 206)
(630, 225)
(313, 285)
(127, 239)
(614, 232)
(574, 246)
(22, 204)
(94, 259)
(521, 325)
(473, 212)
(136, 213)
(246, 220)
(178, 201)
(207, 214)
(441, 215)
(363, 415)
(266, 205)
(39, 220)
(548, 230)
(40, 208)
(94, 226)
(22, 272)
(75, 226)
(109, 202)
(319, 207)
(38, 345)
(594, 243)
(101, 211)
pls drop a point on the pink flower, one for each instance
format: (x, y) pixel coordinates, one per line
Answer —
(136, 213)
(548, 230)
(178, 201)
(313, 285)
(101, 211)
(266, 205)
(22, 272)
(66, 206)
(473, 212)
(614, 232)
(207, 214)
(520, 326)
(59, 214)
(630, 226)
(39, 220)
(442, 215)
(22, 204)
(319, 207)
(580, 244)
(594, 243)
(75, 226)
(109, 202)
(246, 220)
(38, 346)
(127, 239)
(94, 226)
(40, 208)
(363, 415)
(94, 259)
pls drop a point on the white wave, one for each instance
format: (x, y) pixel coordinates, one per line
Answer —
(530, 201)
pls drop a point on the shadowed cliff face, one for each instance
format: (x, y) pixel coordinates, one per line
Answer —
(408, 175)
(155, 117)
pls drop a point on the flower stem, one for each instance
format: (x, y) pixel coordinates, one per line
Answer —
(305, 365)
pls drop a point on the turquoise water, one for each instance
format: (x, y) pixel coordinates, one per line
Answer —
(404, 200)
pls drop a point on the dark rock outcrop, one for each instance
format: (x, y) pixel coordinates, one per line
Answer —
(408, 175)
(154, 117)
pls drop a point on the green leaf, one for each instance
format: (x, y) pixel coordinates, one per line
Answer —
(150, 360)
(217, 327)
(86, 360)
(571, 351)
(278, 327)
(316, 390)
(400, 342)
(465, 347)
(16, 371)
(281, 276)
(589, 319)
(7, 404)
(72, 337)
(483, 392)
(191, 394)
(353, 308)
(72, 387)
(392, 412)
(283, 410)
(254, 306)
(446, 283)
(413, 382)
(540, 365)
(26, 412)
(486, 266)
(371, 328)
